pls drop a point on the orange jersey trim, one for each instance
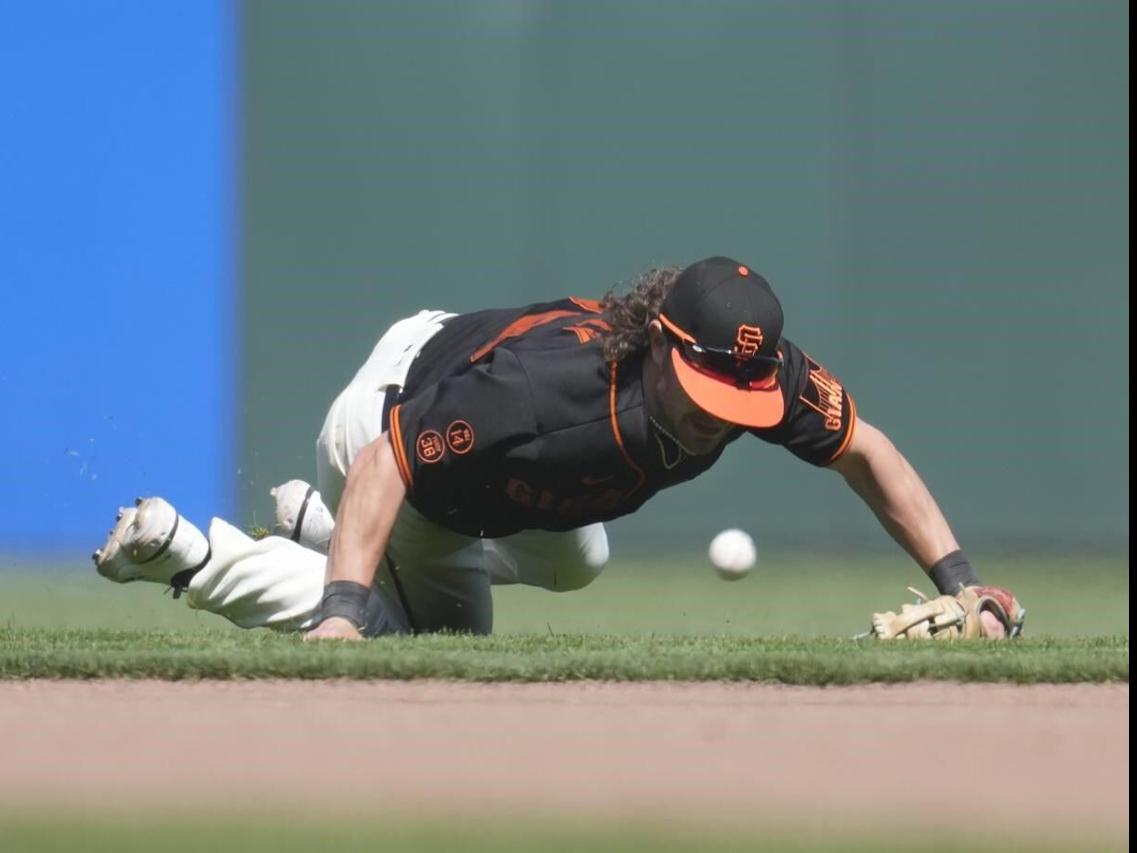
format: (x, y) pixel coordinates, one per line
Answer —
(849, 435)
(583, 333)
(593, 306)
(519, 327)
(395, 435)
(616, 430)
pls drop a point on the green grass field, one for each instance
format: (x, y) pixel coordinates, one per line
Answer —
(789, 621)
(485, 834)
(77, 653)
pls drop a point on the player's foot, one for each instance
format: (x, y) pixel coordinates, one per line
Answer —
(151, 542)
(302, 516)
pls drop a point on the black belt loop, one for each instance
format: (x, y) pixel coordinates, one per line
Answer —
(389, 400)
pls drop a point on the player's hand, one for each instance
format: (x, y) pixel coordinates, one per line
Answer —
(975, 611)
(334, 628)
(992, 627)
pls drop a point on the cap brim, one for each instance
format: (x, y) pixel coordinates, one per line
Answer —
(742, 406)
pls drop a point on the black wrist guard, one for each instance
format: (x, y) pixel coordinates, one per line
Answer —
(346, 599)
(952, 573)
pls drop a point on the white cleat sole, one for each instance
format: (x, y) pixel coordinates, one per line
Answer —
(151, 542)
(300, 515)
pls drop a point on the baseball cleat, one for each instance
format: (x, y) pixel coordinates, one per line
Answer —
(302, 516)
(151, 542)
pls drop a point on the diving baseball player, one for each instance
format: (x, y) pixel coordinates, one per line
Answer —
(491, 447)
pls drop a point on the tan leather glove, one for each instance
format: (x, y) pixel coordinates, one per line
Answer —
(952, 616)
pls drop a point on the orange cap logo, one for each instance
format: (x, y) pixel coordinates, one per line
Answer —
(460, 437)
(748, 342)
(429, 446)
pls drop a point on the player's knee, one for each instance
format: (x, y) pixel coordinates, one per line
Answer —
(595, 551)
(573, 577)
(590, 562)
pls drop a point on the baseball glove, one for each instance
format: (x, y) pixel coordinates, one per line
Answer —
(952, 616)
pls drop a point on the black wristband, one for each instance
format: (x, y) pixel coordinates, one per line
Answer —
(952, 573)
(346, 599)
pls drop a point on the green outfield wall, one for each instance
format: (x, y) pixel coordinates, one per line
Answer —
(939, 194)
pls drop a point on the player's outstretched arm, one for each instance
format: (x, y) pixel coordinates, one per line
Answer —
(371, 499)
(884, 479)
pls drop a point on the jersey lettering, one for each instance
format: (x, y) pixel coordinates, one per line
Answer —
(829, 396)
(574, 506)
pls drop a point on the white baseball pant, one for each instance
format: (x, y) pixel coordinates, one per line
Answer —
(430, 579)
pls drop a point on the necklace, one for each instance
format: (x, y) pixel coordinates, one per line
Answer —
(681, 452)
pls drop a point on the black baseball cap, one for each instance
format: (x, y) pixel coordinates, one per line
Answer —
(727, 327)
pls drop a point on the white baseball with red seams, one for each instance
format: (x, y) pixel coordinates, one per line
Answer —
(732, 554)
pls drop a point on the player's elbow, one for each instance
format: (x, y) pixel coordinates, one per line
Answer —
(376, 466)
(868, 443)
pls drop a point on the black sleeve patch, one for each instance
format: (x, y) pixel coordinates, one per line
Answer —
(448, 435)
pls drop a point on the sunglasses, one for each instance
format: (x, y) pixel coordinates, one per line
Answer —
(748, 372)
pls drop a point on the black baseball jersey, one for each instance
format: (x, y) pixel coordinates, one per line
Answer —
(512, 420)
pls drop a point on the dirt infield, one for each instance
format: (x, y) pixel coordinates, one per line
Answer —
(1043, 755)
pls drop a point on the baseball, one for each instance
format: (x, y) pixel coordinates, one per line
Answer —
(732, 554)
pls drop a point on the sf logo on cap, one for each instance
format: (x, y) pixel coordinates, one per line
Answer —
(748, 342)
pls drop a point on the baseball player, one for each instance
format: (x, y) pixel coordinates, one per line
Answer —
(491, 447)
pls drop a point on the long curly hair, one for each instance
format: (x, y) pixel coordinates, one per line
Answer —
(629, 314)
